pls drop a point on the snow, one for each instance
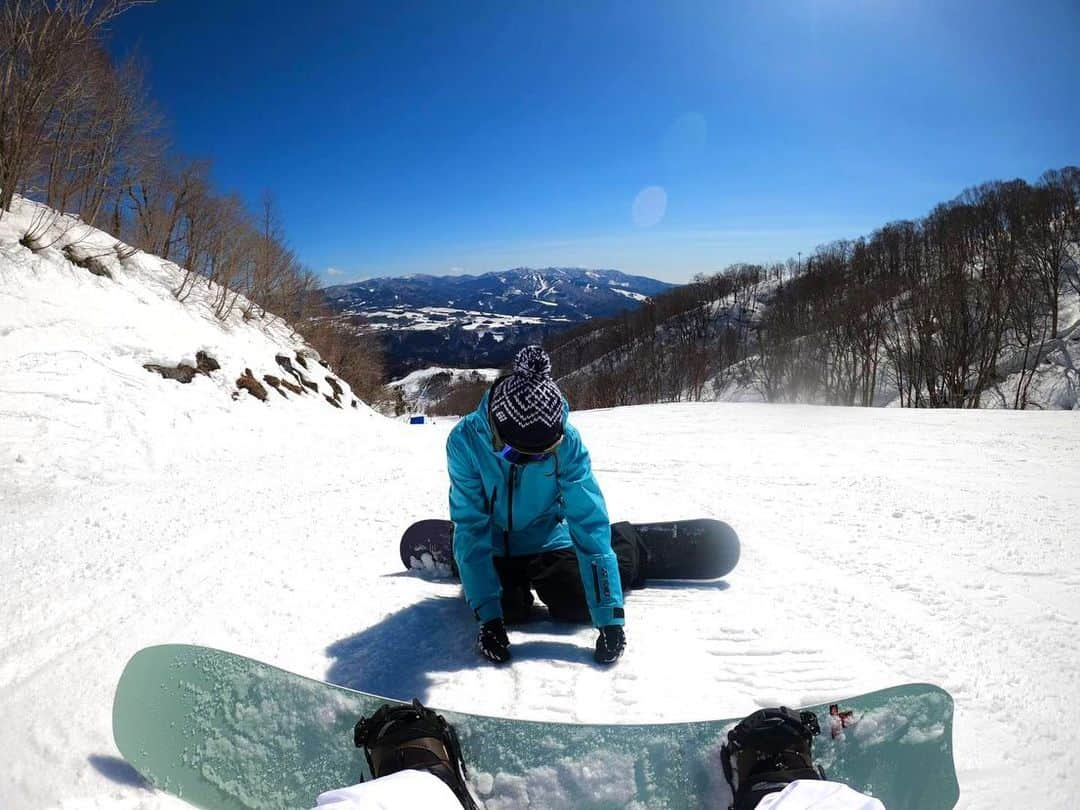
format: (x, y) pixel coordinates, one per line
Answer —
(1054, 385)
(423, 387)
(414, 380)
(543, 287)
(426, 319)
(879, 546)
(635, 296)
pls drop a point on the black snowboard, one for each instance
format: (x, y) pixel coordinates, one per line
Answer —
(680, 549)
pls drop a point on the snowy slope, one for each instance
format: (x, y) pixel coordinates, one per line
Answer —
(88, 331)
(1055, 384)
(424, 387)
(880, 546)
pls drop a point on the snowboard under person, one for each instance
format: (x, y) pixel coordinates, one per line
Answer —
(416, 759)
(528, 514)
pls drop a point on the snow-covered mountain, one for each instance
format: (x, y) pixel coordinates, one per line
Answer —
(550, 294)
(474, 321)
(494, 300)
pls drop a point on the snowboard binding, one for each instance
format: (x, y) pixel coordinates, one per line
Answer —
(768, 750)
(397, 738)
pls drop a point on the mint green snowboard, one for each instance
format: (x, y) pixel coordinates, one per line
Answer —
(223, 731)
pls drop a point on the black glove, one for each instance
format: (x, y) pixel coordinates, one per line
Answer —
(610, 644)
(493, 642)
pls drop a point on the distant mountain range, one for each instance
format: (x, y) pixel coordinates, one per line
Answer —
(567, 294)
(480, 320)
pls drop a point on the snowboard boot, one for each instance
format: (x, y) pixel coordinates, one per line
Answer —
(768, 750)
(398, 738)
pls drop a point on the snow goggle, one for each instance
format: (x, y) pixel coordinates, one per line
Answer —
(515, 456)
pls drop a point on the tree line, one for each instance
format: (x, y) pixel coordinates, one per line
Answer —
(927, 312)
(667, 350)
(80, 133)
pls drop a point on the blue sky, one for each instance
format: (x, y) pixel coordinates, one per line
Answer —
(663, 138)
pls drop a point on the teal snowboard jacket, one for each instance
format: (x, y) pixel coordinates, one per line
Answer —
(503, 510)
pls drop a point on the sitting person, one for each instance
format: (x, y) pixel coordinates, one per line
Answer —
(529, 515)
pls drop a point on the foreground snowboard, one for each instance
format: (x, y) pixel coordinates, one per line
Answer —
(680, 549)
(222, 731)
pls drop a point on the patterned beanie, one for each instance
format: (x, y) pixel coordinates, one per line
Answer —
(526, 407)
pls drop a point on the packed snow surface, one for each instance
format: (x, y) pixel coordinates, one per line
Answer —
(879, 547)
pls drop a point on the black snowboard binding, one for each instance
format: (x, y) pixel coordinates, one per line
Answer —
(398, 738)
(768, 750)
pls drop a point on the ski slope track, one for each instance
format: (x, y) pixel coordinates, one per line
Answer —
(879, 546)
(425, 387)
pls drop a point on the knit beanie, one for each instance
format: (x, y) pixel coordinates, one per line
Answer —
(526, 407)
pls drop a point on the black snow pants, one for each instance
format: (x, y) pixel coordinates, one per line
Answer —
(556, 578)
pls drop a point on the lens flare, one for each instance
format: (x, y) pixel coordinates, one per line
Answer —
(649, 207)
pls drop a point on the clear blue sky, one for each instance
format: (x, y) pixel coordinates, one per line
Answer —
(661, 138)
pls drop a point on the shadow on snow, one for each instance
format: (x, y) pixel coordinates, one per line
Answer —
(396, 657)
(118, 770)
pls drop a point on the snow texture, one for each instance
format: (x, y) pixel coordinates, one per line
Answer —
(424, 387)
(879, 546)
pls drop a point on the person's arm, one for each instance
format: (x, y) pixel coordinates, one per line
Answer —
(472, 531)
(587, 519)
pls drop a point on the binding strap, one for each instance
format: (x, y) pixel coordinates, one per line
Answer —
(768, 750)
(398, 738)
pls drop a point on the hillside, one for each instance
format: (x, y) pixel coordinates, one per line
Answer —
(476, 321)
(423, 388)
(1052, 381)
(83, 311)
(976, 305)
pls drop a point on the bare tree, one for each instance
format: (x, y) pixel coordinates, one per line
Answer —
(160, 201)
(45, 46)
(945, 306)
(352, 350)
(1052, 234)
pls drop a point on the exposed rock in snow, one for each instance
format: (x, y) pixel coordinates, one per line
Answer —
(80, 307)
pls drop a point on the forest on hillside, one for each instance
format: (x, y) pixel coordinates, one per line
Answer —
(925, 313)
(81, 134)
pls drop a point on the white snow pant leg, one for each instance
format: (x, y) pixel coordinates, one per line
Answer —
(809, 794)
(404, 790)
